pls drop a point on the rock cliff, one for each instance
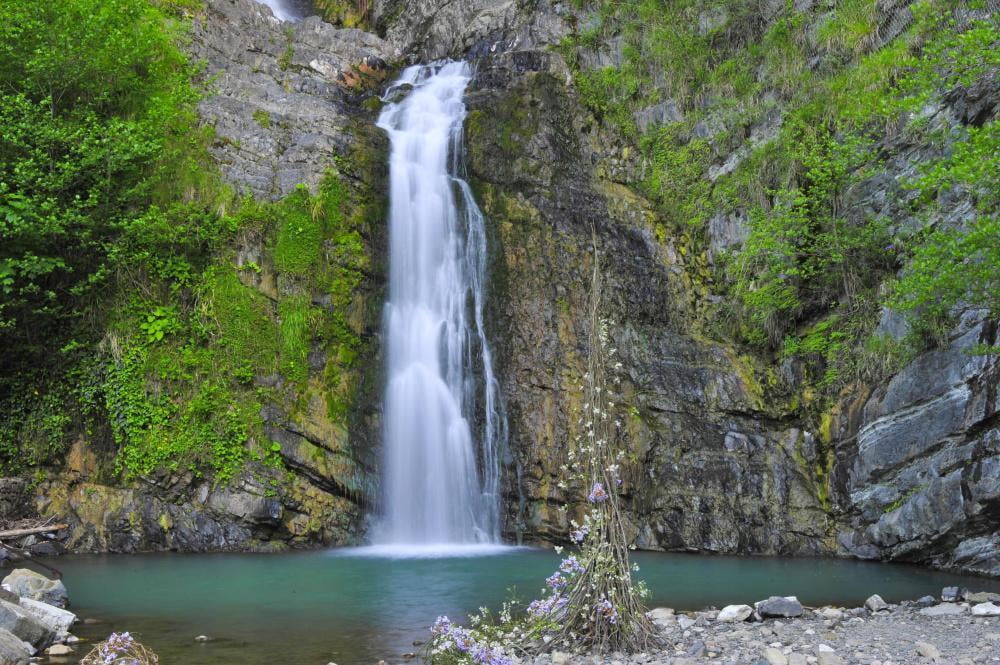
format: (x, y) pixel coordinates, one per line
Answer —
(731, 449)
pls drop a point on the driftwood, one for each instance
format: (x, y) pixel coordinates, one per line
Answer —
(17, 533)
(24, 555)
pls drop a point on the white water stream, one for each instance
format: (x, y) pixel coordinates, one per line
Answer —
(444, 424)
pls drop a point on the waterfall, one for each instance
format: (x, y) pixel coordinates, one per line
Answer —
(443, 423)
(285, 10)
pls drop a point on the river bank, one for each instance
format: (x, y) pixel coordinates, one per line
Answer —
(963, 630)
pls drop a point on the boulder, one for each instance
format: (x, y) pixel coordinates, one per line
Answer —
(925, 601)
(986, 610)
(778, 606)
(56, 620)
(774, 656)
(953, 594)
(983, 597)
(876, 604)
(928, 650)
(662, 615)
(29, 584)
(944, 610)
(59, 650)
(830, 613)
(24, 625)
(13, 651)
(734, 613)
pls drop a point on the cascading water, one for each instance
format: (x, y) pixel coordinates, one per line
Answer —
(286, 10)
(444, 423)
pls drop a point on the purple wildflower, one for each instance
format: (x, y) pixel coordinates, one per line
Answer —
(571, 565)
(597, 494)
(556, 581)
(114, 647)
(550, 605)
(607, 610)
(463, 641)
(577, 535)
(442, 626)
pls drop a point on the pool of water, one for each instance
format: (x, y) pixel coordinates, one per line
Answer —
(359, 606)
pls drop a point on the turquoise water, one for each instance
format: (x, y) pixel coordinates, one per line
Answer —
(350, 607)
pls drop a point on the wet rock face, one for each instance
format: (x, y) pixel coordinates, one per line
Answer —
(283, 100)
(907, 469)
(433, 29)
(923, 469)
(709, 468)
(289, 101)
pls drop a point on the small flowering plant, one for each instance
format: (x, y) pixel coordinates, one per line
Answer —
(120, 649)
(591, 602)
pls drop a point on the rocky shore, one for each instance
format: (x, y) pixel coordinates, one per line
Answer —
(957, 628)
(33, 618)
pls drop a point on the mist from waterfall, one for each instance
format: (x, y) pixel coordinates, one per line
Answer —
(443, 420)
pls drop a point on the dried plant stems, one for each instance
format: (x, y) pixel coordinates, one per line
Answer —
(604, 609)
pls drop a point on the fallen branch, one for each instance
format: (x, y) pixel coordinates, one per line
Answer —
(17, 533)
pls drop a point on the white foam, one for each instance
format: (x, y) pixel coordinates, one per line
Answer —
(428, 551)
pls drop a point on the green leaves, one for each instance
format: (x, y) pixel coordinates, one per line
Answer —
(159, 323)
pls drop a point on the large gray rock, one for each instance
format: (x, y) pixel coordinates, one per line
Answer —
(29, 584)
(876, 604)
(57, 621)
(778, 606)
(25, 625)
(945, 610)
(986, 610)
(13, 651)
(734, 613)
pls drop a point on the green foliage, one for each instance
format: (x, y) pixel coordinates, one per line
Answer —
(676, 178)
(804, 253)
(300, 235)
(173, 409)
(262, 117)
(807, 282)
(297, 322)
(159, 323)
(951, 267)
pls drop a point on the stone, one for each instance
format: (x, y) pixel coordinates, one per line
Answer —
(734, 613)
(928, 650)
(829, 658)
(59, 650)
(685, 622)
(202, 638)
(662, 615)
(774, 656)
(830, 613)
(560, 658)
(952, 594)
(876, 604)
(779, 606)
(796, 659)
(56, 620)
(14, 651)
(983, 597)
(29, 584)
(944, 609)
(925, 601)
(986, 610)
(24, 625)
